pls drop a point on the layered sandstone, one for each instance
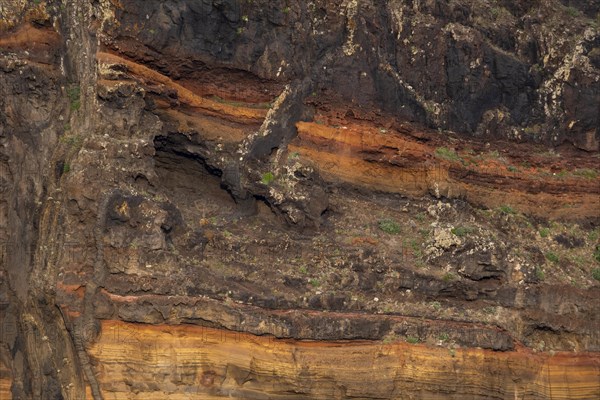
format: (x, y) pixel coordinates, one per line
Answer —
(185, 362)
(415, 163)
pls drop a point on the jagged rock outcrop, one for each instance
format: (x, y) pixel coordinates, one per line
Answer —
(373, 199)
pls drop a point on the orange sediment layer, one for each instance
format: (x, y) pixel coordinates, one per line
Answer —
(138, 361)
(185, 95)
(38, 45)
(208, 128)
(397, 163)
(27, 37)
(5, 382)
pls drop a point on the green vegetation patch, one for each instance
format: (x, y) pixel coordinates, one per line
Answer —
(539, 274)
(71, 140)
(506, 209)
(412, 340)
(552, 257)
(462, 231)
(447, 154)
(267, 178)
(448, 277)
(572, 11)
(74, 95)
(586, 173)
(389, 226)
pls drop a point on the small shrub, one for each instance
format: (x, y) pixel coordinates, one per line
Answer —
(420, 217)
(544, 232)
(66, 168)
(436, 305)
(286, 10)
(303, 270)
(447, 154)
(525, 165)
(448, 277)
(596, 274)
(412, 340)
(552, 257)
(71, 140)
(444, 337)
(74, 95)
(512, 168)
(506, 209)
(267, 178)
(586, 173)
(539, 274)
(245, 18)
(314, 282)
(461, 231)
(416, 248)
(389, 226)
(563, 173)
(572, 11)
(597, 253)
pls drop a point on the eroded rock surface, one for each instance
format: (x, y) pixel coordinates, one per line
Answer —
(322, 199)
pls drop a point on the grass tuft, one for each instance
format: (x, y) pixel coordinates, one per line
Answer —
(389, 226)
(552, 257)
(506, 209)
(539, 274)
(412, 340)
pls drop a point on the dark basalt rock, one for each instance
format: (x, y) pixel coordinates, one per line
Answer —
(479, 67)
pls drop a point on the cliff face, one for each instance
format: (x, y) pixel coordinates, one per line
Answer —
(270, 199)
(513, 69)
